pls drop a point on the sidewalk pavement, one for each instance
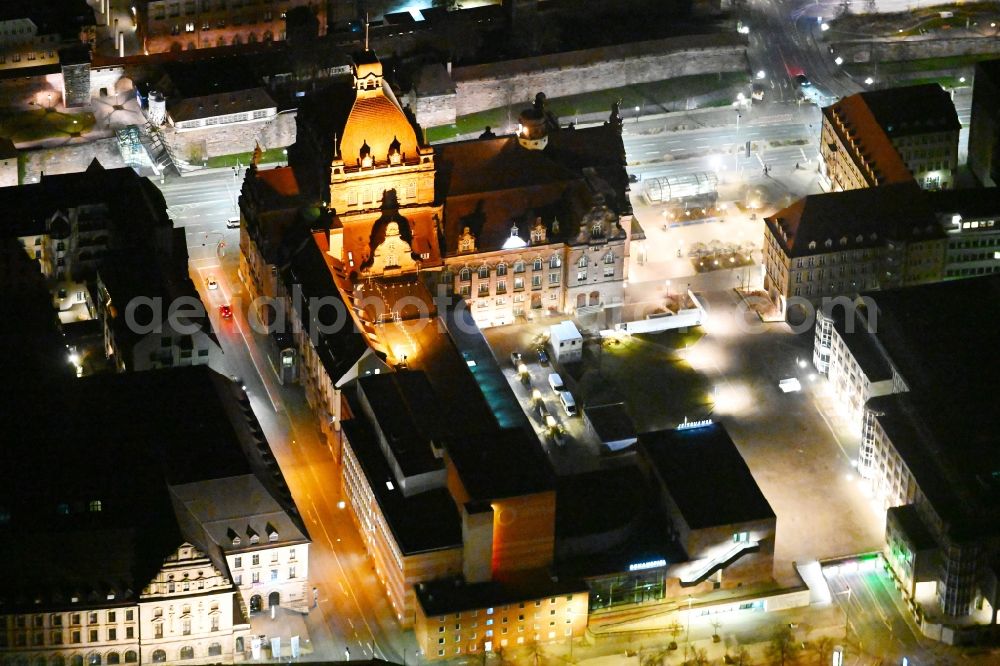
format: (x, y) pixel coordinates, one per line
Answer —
(747, 629)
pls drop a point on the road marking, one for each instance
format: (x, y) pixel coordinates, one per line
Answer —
(832, 431)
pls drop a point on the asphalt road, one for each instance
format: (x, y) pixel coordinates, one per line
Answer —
(877, 624)
(654, 153)
(201, 205)
(353, 612)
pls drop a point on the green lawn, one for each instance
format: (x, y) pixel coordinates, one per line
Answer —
(651, 97)
(270, 155)
(37, 124)
(649, 373)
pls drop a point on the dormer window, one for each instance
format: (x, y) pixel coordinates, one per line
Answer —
(860, 238)
(395, 157)
(365, 156)
(272, 534)
(538, 231)
(843, 240)
(812, 245)
(252, 535)
(597, 230)
(254, 539)
(829, 242)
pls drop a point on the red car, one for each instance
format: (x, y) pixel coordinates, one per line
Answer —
(225, 312)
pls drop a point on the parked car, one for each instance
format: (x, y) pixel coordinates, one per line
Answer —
(556, 382)
(567, 402)
(543, 356)
(233, 223)
(515, 358)
(211, 283)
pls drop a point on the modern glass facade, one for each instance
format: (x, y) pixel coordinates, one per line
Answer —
(630, 588)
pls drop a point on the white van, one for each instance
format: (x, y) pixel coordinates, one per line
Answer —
(567, 402)
(556, 382)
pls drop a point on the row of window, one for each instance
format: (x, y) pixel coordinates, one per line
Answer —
(55, 637)
(16, 57)
(488, 645)
(93, 617)
(555, 261)
(366, 195)
(965, 272)
(93, 659)
(255, 576)
(518, 298)
(255, 558)
(986, 242)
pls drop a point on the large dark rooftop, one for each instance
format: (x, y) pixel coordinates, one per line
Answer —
(123, 441)
(419, 523)
(706, 476)
(945, 425)
(454, 595)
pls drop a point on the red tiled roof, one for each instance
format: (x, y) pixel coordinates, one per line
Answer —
(873, 215)
(866, 141)
(281, 180)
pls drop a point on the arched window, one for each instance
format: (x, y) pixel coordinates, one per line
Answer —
(57, 661)
(582, 263)
(812, 245)
(159, 656)
(555, 261)
(187, 652)
(501, 268)
(76, 660)
(465, 275)
(518, 266)
(214, 650)
(537, 264)
(114, 658)
(131, 657)
(93, 659)
(239, 644)
(40, 661)
(484, 272)
(609, 258)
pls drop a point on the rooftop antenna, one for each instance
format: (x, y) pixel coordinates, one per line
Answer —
(366, 32)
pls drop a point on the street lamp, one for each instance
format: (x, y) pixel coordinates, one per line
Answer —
(869, 81)
(839, 60)
(687, 636)
(637, 114)
(847, 611)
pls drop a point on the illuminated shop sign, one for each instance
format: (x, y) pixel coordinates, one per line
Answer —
(652, 564)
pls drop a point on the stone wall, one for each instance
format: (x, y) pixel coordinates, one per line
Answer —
(495, 85)
(71, 158)
(913, 48)
(194, 145)
(434, 110)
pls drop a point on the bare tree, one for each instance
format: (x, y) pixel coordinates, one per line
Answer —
(823, 647)
(675, 629)
(783, 649)
(742, 657)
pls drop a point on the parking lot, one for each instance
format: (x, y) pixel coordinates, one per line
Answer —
(798, 449)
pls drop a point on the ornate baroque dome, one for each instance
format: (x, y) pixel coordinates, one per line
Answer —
(376, 118)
